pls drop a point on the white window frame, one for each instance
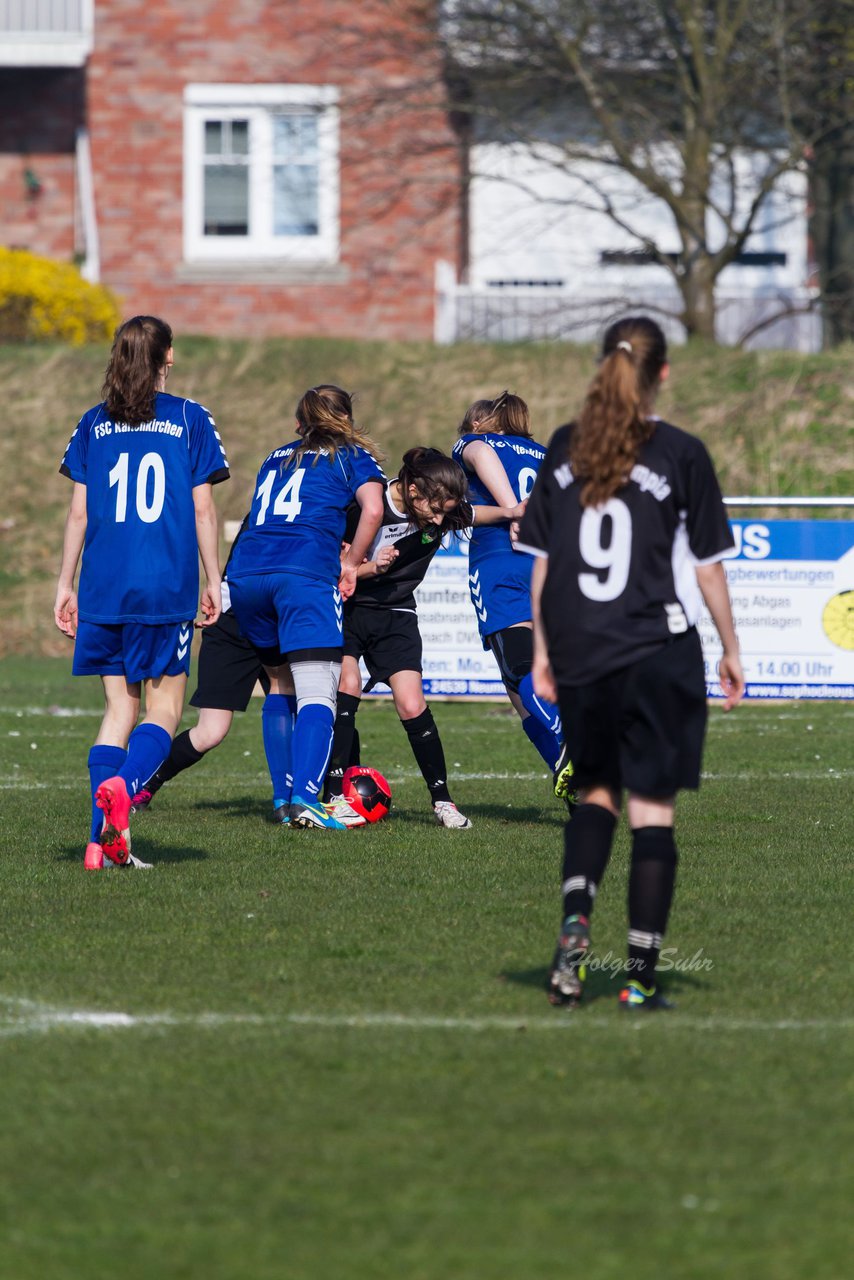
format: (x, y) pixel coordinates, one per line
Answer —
(259, 103)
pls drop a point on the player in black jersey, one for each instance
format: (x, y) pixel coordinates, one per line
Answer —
(628, 526)
(425, 501)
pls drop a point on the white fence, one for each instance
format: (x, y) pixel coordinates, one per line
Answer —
(45, 16)
(45, 33)
(518, 313)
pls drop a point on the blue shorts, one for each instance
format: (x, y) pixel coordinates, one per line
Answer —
(288, 615)
(501, 593)
(135, 650)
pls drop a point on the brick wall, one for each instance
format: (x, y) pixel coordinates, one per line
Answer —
(399, 176)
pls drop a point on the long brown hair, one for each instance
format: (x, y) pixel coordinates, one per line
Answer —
(325, 417)
(614, 421)
(438, 479)
(137, 358)
(507, 415)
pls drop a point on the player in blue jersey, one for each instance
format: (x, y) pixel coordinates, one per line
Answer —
(628, 528)
(143, 465)
(501, 459)
(288, 580)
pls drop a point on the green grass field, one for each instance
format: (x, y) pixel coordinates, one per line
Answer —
(303, 1055)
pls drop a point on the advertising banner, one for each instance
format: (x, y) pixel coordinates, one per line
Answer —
(792, 588)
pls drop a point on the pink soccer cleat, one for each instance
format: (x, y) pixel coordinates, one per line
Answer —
(94, 859)
(112, 796)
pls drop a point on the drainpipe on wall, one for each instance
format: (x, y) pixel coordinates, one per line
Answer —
(90, 268)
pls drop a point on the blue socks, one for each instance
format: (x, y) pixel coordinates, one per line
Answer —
(148, 747)
(104, 762)
(277, 727)
(543, 740)
(312, 748)
(543, 725)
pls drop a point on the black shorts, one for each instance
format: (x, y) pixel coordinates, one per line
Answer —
(388, 640)
(228, 668)
(641, 728)
(513, 649)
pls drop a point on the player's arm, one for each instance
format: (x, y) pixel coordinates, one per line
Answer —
(713, 585)
(542, 675)
(207, 537)
(485, 462)
(65, 604)
(497, 515)
(385, 558)
(370, 499)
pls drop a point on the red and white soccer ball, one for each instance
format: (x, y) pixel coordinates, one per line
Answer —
(367, 791)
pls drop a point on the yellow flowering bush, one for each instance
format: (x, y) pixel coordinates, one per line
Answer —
(41, 299)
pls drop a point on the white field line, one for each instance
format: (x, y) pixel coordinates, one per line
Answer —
(202, 784)
(27, 1017)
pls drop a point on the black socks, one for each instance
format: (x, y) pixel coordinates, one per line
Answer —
(651, 883)
(427, 749)
(587, 847)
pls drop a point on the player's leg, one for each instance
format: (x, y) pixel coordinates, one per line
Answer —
(349, 697)
(514, 652)
(652, 879)
(664, 721)
(188, 748)
(591, 733)
(316, 685)
(228, 671)
(98, 652)
(148, 747)
(109, 752)
(278, 717)
(417, 719)
(159, 656)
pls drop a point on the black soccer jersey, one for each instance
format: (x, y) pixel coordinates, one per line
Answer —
(621, 579)
(395, 588)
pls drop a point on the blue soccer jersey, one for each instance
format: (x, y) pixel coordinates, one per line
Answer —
(140, 558)
(521, 459)
(298, 513)
(499, 578)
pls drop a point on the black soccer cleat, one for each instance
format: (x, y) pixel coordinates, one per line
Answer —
(565, 983)
(637, 996)
(562, 781)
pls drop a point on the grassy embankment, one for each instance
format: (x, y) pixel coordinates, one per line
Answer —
(775, 423)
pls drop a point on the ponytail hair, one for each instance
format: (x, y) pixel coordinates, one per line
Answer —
(137, 358)
(507, 415)
(614, 421)
(325, 418)
(438, 479)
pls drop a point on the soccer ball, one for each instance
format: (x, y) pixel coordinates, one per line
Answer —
(367, 791)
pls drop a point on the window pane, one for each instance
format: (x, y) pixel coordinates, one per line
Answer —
(213, 137)
(226, 200)
(295, 137)
(295, 200)
(240, 137)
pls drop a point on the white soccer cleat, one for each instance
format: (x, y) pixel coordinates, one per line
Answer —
(342, 811)
(134, 861)
(448, 815)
